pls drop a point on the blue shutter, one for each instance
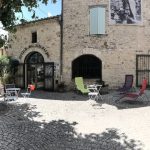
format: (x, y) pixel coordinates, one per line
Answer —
(101, 20)
(93, 21)
(97, 20)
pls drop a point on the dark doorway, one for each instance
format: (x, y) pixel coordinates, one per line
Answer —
(87, 66)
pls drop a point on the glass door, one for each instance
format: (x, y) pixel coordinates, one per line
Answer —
(49, 76)
(39, 76)
(35, 75)
(35, 69)
(38, 72)
(31, 74)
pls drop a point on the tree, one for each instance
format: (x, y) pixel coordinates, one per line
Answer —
(8, 9)
(8, 66)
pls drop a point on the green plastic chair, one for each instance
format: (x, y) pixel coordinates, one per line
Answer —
(80, 85)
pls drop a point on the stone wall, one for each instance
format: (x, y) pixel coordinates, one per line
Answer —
(117, 48)
(48, 40)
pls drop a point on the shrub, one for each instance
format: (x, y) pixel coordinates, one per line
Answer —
(7, 69)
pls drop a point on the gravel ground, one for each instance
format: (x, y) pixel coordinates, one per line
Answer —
(69, 121)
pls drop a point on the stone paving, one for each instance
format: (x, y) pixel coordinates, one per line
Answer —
(68, 121)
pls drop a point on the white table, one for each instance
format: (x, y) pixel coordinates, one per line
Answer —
(12, 93)
(95, 91)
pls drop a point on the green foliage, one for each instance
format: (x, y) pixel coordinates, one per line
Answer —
(8, 8)
(7, 69)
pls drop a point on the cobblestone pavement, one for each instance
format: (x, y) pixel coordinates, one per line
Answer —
(67, 121)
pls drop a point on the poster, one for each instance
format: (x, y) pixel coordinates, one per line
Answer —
(125, 12)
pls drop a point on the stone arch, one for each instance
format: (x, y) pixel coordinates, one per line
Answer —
(38, 57)
(29, 50)
(88, 66)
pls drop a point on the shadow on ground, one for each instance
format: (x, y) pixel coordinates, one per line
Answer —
(18, 131)
(74, 96)
(124, 104)
(64, 96)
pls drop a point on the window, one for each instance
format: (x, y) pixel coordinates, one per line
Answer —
(34, 37)
(87, 66)
(34, 57)
(97, 20)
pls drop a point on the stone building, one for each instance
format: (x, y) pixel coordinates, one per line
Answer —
(97, 39)
(120, 47)
(36, 45)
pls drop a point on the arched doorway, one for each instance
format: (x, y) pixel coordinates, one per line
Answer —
(35, 69)
(87, 66)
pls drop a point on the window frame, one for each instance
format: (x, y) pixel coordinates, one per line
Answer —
(34, 37)
(97, 6)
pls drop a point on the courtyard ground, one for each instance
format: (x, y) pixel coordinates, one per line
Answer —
(69, 121)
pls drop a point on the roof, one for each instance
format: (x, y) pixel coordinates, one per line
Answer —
(58, 17)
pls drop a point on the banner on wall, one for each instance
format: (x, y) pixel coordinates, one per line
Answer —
(125, 12)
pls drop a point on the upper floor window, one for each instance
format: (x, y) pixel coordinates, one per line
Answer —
(97, 20)
(34, 37)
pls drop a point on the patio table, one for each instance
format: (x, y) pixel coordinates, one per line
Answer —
(11, 93)
(95, 91)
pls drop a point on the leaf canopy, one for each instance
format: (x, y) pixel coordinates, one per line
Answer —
(8, 8)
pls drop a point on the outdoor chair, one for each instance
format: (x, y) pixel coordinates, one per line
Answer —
(27, 94)
(80, 85)
(94, 93)
(9, 86)
(135, 95)
(10, 92)
(125, 88)
(127, 85)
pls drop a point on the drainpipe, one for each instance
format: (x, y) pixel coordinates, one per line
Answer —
(61, 44)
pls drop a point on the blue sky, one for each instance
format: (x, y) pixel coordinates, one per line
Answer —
(43, 10)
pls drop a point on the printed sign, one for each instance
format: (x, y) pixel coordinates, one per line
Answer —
(125, 12)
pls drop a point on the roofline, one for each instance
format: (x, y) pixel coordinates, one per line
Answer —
(42, 19)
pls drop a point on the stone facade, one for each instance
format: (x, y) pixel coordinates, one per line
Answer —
(48, 40)
(48, 44)
(117, 49)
